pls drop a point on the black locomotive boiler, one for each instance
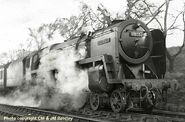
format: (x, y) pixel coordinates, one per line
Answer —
(126, 64)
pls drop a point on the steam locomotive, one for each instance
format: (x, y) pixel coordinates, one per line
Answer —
(126, 64)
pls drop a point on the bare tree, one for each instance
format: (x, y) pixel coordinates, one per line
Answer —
(168, 27)
(87, 18)
(171, 57)
(137, 9)
(42, 34)
(73, 26)
(12, 55)
(106, 19)
(69, 27)
(21, 51)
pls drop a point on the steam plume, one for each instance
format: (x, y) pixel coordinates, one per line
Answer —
(65, 88)
(59, 84)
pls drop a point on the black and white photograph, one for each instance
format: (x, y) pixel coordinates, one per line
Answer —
(92, 60)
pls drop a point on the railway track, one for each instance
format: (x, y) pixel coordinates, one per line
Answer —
(20, 113)
(141, 116)
(175, 116)
(169, 113)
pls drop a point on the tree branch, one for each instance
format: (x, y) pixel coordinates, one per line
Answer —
(130, 6)
(167, 2)
(181, 47)
(153, 15)
(172, 25)
(156, 13)
(153, 18)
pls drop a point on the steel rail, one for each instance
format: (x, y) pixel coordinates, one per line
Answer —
(95, 116)
(20, 111)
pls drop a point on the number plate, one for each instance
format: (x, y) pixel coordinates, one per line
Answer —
(136, 34)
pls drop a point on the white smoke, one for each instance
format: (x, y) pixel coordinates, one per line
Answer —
(19, 98)
(66, 91)
(62, 90)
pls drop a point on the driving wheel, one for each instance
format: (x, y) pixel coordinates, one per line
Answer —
(118, 101)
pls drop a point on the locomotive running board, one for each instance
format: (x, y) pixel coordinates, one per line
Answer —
(108, 64)
(136, 84)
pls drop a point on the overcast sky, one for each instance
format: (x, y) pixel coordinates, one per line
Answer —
(18, 15)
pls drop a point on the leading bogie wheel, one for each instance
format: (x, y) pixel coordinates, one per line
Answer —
(95, 101)
(118, 101)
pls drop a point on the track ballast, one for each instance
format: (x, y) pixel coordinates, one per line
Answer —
(20, 113)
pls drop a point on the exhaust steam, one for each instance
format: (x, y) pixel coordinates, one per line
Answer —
(59, 84)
